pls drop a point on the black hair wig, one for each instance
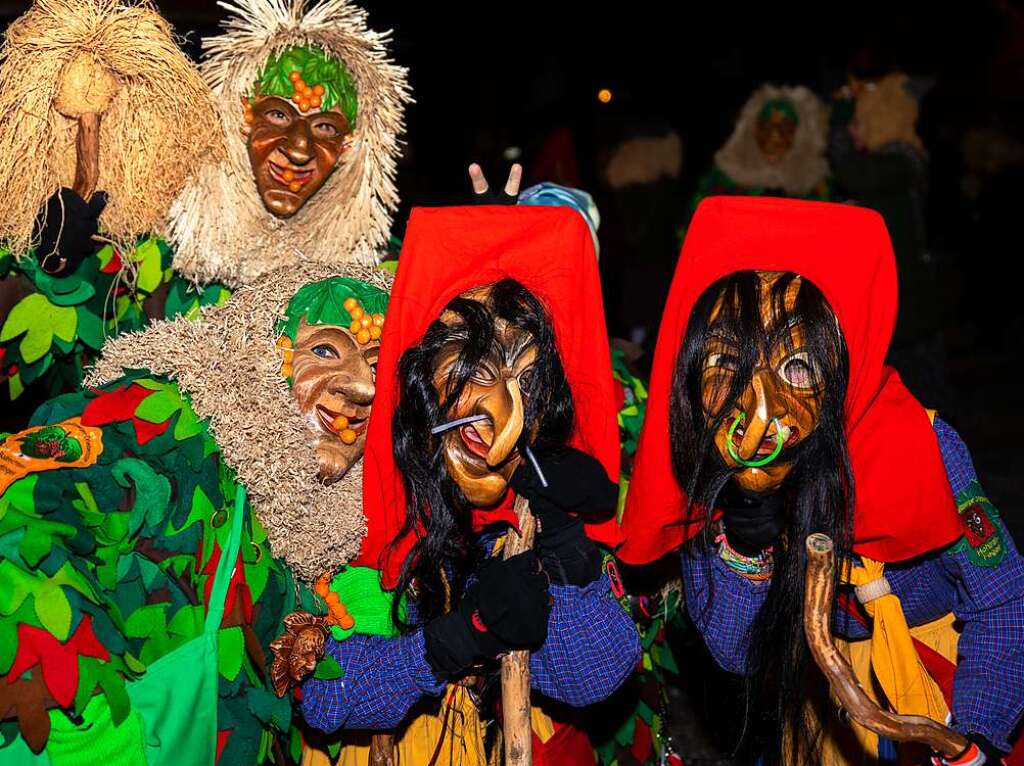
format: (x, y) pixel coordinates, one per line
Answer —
(437, 512)
(817, 493)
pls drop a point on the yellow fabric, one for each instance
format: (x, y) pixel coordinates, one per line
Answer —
(894, 661)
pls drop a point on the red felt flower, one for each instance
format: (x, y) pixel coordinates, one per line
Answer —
(59, 661)
(120, 405)
(237, 588)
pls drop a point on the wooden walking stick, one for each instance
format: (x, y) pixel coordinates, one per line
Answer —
(515, 666)
(818, 590)
(382, 749)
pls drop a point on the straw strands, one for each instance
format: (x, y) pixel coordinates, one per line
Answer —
(220, 228)
(228, 365)
(157, 122)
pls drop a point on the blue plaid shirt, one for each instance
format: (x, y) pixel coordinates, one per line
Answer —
(988, 687)
(591, 648)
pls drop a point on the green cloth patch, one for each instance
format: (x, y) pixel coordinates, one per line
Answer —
(983, 534)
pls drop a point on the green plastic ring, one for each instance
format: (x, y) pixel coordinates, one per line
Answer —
(752, 463)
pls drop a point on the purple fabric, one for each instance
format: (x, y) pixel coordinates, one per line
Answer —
(988, 687)
(591, 649)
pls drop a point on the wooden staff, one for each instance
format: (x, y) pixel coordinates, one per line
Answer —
(382, 749)
(818, 590)
(515, 666)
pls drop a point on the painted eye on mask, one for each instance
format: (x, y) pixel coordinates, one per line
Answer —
(484, 376)
(798, 370)
(276, 117)
(325, 129)
(723, 361)
(527, 379)
(324, 351)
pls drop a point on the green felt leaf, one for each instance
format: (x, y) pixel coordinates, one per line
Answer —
(25, 614)
(90, 328)
(20, 495)
(333, 749)
(151, 273)
(15, 586)
(53, 610)
(117, 696)
(40, 321)
(147, 621)
(230, 650)
(187, 622)
(15, 387)
(157, 407)
(152, 492)
(328, 669)
(269, 708)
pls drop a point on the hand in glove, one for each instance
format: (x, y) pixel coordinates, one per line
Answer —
(65, 229)
(297, 651)
(506, 608)
(752, 521)
(484, 195)
(577, 484)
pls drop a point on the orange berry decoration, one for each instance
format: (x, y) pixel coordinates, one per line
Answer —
(356, 313)
(350, 303)
(375, 332)
(288, 175)
(355, 327)
(284, 342)
(348, 436)
(339, 424)
(378, 320)
(295, 76)
(363, 336)
(295, 187)
(319, 90)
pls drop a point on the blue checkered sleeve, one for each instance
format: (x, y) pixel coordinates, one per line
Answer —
(592, 646)
(988, 687)
(384, 677)
(722, 604)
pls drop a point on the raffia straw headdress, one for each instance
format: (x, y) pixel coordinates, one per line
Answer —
(116, 58)
(220, 229)
(228, 364)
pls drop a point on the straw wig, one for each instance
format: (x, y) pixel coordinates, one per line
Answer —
(220, 227)
(117, 58)
(228, 364)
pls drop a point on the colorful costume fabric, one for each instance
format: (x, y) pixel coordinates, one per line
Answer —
(118, 507)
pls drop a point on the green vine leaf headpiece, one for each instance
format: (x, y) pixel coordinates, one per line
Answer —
(316, 68)
(323, 302)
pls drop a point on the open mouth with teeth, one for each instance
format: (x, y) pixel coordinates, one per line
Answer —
(328, 417)
(768, 442)
(288, 174)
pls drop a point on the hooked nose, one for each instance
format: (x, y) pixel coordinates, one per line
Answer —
(358, 392)
(505, 406)
(761, 405)
(298, 147)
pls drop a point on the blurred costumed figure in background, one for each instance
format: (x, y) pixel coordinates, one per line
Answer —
(777, 148)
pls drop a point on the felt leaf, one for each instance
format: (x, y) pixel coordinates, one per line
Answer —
(230, 651)
(152, 492)
(116, 694)
(157, 408)
(151, 273)
(15, 387)
(40, 321)
(269, 708)
(15, 586)
(53, 610)
(90, 328)
(328, 669)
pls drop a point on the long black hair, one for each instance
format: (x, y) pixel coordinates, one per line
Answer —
(817, 493)
(437, 512)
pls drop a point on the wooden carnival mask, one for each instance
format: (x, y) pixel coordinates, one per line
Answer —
(780, 405)
(297, 125)
(775, 130)
(495, 404)
(330, 346)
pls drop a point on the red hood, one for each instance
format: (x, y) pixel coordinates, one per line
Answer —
(904, 506)
(448, 251)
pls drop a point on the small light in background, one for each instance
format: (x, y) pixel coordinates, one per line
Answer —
(512, 153)
(604, 96)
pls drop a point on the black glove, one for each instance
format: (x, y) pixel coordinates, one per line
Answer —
(577, 484)
(752, 521)
(65, 228)
(506, 608)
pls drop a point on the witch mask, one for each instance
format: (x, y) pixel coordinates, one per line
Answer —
(763, 360)
(488, 380)
(329, 347)
(298, 122)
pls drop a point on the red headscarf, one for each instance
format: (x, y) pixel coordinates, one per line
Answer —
(903, 503)
(448, 251)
